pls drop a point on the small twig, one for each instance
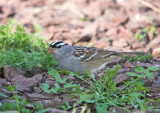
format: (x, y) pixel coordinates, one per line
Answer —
(150, 5)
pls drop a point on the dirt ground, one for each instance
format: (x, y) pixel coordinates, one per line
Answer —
(108, 24)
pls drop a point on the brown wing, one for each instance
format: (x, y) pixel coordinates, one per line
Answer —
(84, 53)
(88, 53)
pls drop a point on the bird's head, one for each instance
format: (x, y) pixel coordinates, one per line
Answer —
(57, 47)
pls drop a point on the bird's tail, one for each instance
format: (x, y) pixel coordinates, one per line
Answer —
(128, 53)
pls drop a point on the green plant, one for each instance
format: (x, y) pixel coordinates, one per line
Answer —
(23, 50)
(3, 95)
(143, 32)
(140, 36)
(84, 19)
(65, 107)
(104, 93)
(20, 103)
(38, 28)
(90, 44)
(141, 58)
(73, 87)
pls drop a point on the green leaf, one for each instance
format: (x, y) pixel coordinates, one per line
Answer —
(132, 74)
(45, 87)
(139, 69)
(157, 100)
(70, 85)
(67, 105)
(142, 88)
(110, 74)
(101, 107)
(39, 108)
(8, 106)
(56, 75)
(43, 110)
(84, 19)
(10, 88)
(38, 105)
(153, 68)
(56, 89)
(150, 75)
(138, 83)
(3, 95)
(64, 72)
(84, 97)
(90, 75)
(53, 90)
(24, 110)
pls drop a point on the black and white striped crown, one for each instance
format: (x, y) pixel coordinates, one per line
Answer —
(57, 44)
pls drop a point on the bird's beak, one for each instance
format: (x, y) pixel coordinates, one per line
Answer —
(50, 50)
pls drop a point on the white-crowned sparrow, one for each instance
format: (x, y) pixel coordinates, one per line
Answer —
(80, 59)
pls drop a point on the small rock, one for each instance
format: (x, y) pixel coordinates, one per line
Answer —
(115, 61)
(34, 71)
(155, 43)
(95, 8)
(35, 96)
(122, 20)
(101, 21)
(148, 82)
(3, 82)
(9, 72)
(124, 34)
(120, 43)
(44, 95)
(90, 30)
(143, 64)
(136, 44)
(156, 52)
(29, 106)
(128, 64)
(85, 38)
(22, 17)
(158, 82)
(101, 43)
(57, 36)
(12, 111)
(38, 3)
(112, 32)
(121, 78)
(4, 91)
(53, 110)
(123, 70)
(37, 90)
(27, 81)
(55, 100)
(24, 84)
(154, 89)
(72, 36)
(52, 102)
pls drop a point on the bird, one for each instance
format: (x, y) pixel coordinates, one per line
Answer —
(81, 59)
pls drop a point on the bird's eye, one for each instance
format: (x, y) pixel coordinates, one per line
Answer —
(59, 46)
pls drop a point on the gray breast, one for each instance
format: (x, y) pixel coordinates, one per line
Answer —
(72, 64)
